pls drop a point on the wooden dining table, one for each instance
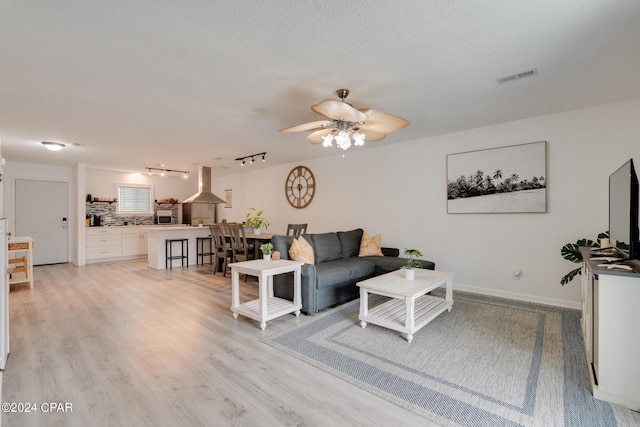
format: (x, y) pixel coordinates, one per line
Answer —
(257, 240)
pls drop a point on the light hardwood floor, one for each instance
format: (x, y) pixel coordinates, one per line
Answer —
(127, 345)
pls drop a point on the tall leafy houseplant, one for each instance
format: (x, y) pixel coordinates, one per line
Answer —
(255, 220)
(571, 252)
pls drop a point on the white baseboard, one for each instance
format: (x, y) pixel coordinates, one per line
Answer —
(576, 305)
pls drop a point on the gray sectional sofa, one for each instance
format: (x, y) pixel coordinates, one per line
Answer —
(332, 278)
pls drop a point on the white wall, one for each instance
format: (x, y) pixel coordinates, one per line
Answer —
(400, 191)
(102, 183)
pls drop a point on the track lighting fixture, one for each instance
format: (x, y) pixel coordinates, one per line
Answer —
(163, 171)
(252, 158)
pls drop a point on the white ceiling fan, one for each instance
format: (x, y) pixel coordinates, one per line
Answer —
(348, 124)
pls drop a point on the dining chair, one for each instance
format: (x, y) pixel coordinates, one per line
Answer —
(240, 250)
(239, 246)
(221, 248)
(296, 230)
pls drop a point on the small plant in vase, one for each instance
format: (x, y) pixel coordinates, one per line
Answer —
(255, 220)
(412, 264)
(200, 223)
(266, 249)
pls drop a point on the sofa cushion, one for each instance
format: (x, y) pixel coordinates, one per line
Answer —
(331, 274)
(282, 245)
(388, 264)
(301, 251)
(371, 246)
(326, 247)
(360, 268)
(350, 241)
(390, 252)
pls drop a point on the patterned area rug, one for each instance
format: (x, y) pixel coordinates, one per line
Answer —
(489, 362)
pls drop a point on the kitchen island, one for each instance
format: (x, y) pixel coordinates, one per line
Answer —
(157, 234)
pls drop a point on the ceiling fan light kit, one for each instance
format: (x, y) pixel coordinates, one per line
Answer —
(348, 126)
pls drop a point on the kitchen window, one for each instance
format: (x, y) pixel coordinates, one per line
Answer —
(135, 199)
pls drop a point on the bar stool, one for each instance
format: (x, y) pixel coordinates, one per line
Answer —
(200, 241)
(168, 248)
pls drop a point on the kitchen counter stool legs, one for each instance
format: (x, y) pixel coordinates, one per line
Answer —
(204, 247)
(184, 252)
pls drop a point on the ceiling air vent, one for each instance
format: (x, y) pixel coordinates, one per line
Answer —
(529, 73)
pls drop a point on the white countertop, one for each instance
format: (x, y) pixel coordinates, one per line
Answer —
(172, 227)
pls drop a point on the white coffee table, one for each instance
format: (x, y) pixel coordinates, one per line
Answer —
(409, 308)
(266, 307)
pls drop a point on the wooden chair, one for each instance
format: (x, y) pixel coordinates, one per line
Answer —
(239, 246)
(240, 250)
(221, 248)
(296, 230)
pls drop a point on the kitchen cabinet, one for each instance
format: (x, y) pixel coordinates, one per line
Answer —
(134, 241)
(103, 242)
(115, 243)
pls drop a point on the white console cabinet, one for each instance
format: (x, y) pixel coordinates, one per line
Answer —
(611, 329)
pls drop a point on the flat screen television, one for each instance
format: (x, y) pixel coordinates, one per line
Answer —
(623, 210)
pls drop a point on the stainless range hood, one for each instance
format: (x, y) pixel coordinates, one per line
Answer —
(201, 207)
(204, 194)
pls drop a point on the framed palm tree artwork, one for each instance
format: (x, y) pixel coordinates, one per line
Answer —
(511, 179)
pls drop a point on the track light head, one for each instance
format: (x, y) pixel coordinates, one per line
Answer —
(252, 158)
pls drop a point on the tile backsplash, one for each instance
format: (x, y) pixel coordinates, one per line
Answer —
(107, 212)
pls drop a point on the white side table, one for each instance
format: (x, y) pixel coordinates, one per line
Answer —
(18, 246)
(266, 307)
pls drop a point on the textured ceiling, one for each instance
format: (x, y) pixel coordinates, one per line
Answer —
(147, 82)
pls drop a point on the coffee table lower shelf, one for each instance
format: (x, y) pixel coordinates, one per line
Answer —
(392, 314)
(276, 307)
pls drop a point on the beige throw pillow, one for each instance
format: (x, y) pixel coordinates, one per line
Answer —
(301, 251)
(371, 246)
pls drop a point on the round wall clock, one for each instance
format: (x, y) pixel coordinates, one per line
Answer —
(300, 187)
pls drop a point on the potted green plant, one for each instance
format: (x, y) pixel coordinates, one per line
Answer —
(266, 249)
(412, 264)
(571, 252)
(200, 223)
(255, 220)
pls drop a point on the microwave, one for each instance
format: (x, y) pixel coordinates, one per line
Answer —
(164, 217)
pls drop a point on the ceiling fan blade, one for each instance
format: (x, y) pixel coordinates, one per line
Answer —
(316, 137)
(371, 136)
(382, 122)
(339, 110)
(320, 124)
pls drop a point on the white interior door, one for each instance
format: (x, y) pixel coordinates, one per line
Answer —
(41, 212)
